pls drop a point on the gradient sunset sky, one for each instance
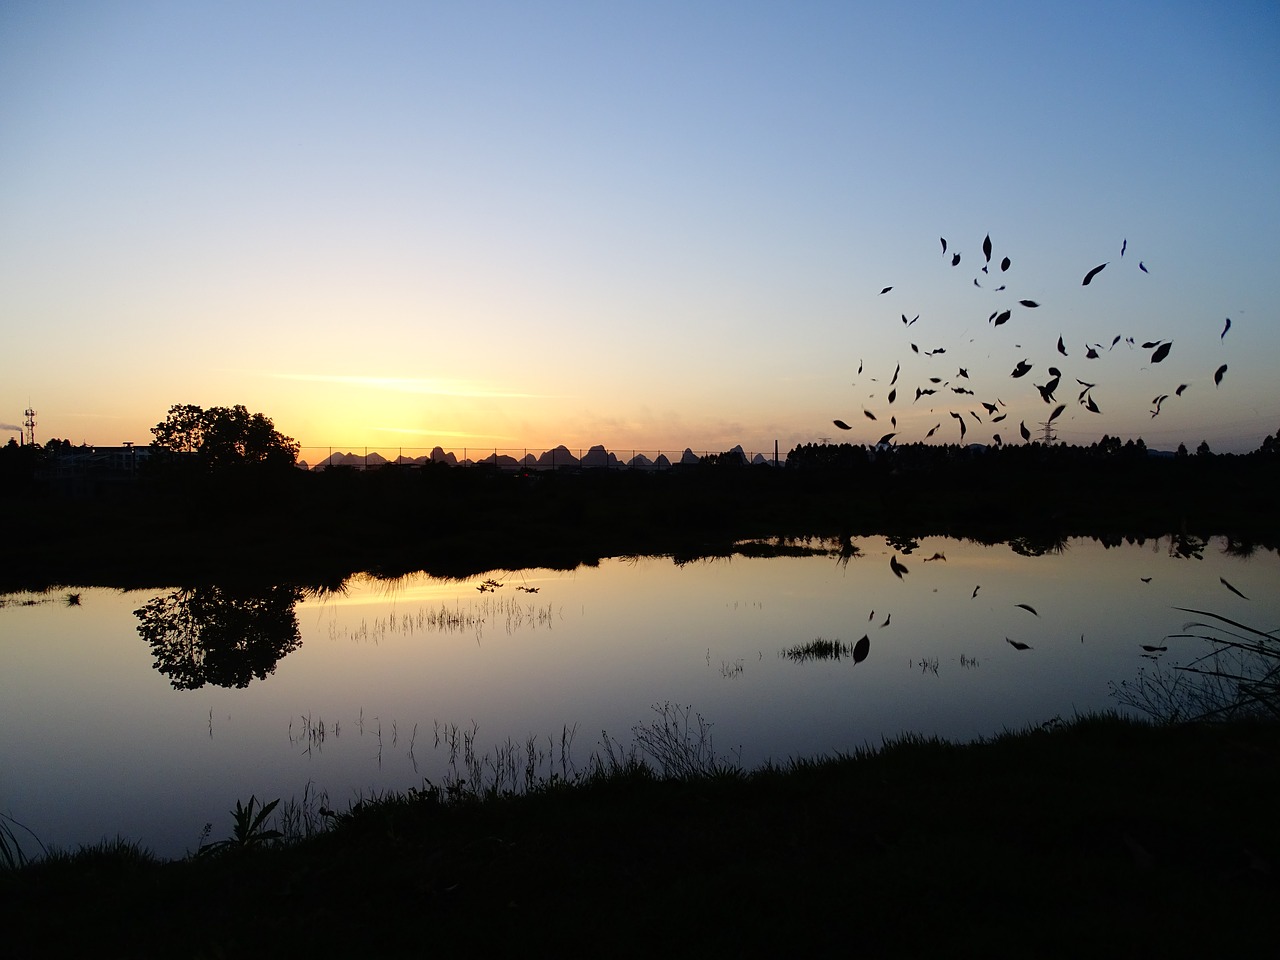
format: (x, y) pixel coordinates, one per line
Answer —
(648, 225)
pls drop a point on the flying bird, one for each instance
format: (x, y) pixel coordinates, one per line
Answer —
(1225, 329)
(1162, 351)
(897, 568)
(955, 260)
(1181, 387)
(1027, 606)
(944, 244)
(1151, 648)
(1143, 267)
(986, 248)
(885, 290)
(1218, 375)
(1022, 369)
(1005, 264)
(861, 649)
(1057, 411)
(1124, 246)
(887, 618)
(975, 591)
(1062, 347)
(1003, 317)
(868, 414)
(1018, 644)
(885, 439)
(1232, 589)
(1088, 277)
(842, 425)
(1022, 429)
(1090, 353)
(936, 556)
(1029, 304)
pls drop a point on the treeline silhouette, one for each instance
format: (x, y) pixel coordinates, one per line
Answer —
(170, 523)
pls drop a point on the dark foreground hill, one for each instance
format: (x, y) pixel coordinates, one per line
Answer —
(1100, 837)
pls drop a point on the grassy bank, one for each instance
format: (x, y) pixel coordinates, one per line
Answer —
(1103, 836)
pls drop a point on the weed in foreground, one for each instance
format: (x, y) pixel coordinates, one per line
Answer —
(1237, 678)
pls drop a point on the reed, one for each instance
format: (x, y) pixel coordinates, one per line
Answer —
(1236, 678)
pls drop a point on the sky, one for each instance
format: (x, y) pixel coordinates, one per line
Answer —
(646, 225)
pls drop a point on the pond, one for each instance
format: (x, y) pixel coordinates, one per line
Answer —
(147, 714)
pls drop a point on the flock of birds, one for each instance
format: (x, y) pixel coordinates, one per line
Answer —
(955, 387)
(900, 569)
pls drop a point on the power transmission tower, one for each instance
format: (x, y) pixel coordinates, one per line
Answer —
(1047, 437)
(30, 425)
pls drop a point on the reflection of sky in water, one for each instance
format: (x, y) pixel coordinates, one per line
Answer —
(94, 741)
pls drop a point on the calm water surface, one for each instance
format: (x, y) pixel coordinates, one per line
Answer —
(96, 741)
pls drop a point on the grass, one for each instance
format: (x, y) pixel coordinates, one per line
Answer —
(1101, 835)
(1238, 676)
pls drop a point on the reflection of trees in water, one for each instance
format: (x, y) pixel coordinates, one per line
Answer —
(1186, 547)
(1039, 546)
(223, 636)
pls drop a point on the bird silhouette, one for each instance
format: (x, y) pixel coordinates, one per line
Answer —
(861, 649)
(842, 425)
(897, 568)
(885, 290)
(1232, 589)
(1225, 329)
(1162, 351)
(1027, 606)
(1088, 277)
(1219, 374)
(1018, 644)
(1021, 370)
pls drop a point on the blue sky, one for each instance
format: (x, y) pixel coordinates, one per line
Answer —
(646, 225)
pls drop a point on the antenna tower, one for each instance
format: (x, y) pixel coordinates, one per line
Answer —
(30, 425)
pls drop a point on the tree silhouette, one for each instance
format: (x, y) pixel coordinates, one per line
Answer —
(222, 438)
(216, 635)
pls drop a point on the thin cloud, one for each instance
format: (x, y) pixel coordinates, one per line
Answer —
(428, 432)
(417, 385)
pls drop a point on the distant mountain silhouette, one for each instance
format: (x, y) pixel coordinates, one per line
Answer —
(598, 456)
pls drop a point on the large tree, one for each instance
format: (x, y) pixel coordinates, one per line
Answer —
(224, 437)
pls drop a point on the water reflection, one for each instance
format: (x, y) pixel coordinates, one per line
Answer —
(375, 666)
(220, 635)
